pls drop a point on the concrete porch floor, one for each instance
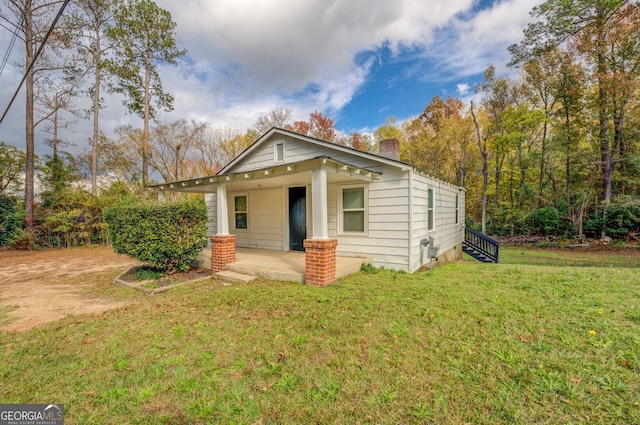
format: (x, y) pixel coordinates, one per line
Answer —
(285, 265)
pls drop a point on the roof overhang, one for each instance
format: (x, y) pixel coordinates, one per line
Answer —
(208, 184)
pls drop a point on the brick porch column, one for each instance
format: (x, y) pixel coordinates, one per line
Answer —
(320, 261)
(223, 251)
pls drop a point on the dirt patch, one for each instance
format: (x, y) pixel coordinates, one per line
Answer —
(38, 287)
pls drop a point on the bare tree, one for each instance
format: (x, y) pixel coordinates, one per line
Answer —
(30, 20)
(482, 147)
(208, 151)
(172, 146)
(278, 117)
(90, 22)
(53, 100)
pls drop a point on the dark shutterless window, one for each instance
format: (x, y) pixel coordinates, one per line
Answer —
(241, 212)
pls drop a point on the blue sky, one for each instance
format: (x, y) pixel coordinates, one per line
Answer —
(357, 61)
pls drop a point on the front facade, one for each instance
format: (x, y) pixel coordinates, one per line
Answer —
(289, 192)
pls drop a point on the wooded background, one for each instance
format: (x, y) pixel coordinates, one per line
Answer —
(553, 150)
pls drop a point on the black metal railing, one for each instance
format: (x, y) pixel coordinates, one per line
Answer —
(480, 246)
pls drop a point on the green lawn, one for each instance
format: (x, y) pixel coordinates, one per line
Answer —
(513, 343)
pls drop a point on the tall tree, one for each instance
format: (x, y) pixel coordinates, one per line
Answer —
(12, 163)
(483, 133)
(438, 139)
(30, 20)
(279, 117)
(319, 126)
(541, 78)
(172, 145)
(208, 151)
(143, 36)
(53, 100)
(362, 142)
(90, 22)
(605, 34)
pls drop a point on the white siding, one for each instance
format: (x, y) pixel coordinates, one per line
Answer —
(387, 241)
(446, 233)
(265, 218)
(396, 208)
(297, 151)
(212, 227)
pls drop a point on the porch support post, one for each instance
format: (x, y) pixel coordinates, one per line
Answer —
(320, 261)
(223, 245)
(319, 204)
(320, 251)
(222, 214)
(223, 251)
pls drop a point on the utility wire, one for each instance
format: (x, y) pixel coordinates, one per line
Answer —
(5, 59)
(33, 61)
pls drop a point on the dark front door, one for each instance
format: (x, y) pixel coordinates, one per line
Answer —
(297, 218)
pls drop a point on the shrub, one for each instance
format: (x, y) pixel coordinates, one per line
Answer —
(11, 219)
(623, 216)
(23, 240)
(545, 221)
(166, 236)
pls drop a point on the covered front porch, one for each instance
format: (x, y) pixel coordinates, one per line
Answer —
(283, 265)
(276, 211)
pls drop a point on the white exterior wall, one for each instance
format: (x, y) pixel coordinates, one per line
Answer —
(446, 233)
(265, 219)
(387, 239)
(210, 201)
(296, 151)
(396, 208)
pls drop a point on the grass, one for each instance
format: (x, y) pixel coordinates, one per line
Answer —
(146, 273)
(4, 316)
(512, 343)
(576, 257)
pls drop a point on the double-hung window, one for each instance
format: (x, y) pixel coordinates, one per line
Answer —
(353, 214)
(240, 212)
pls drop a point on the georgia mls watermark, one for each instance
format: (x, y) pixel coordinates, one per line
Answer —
(31, 414)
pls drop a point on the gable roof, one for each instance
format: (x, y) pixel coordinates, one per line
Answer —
(228, 169)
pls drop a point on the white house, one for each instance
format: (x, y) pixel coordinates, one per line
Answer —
(289, 192)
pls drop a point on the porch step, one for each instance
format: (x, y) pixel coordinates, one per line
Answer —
(234, 277)
(272, 271)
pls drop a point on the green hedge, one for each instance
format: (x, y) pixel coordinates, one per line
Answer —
(166, 236)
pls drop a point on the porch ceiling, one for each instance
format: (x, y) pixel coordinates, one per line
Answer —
(282, 175)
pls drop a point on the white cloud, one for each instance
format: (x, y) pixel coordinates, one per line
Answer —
(473, 43)
(463, 88)
(282, 48)
(248, 57)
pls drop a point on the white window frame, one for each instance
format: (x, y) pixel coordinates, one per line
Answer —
(234, 211)
(341, 210)
(275, 152)
(431, 215)
(457, 208)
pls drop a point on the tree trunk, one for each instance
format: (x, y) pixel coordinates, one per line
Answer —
(29, 189)
(485, 170)
(96, 113)
(145, 132)
(543, 155)
(605, 148)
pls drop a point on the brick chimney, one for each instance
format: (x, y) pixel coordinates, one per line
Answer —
(390, 148)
